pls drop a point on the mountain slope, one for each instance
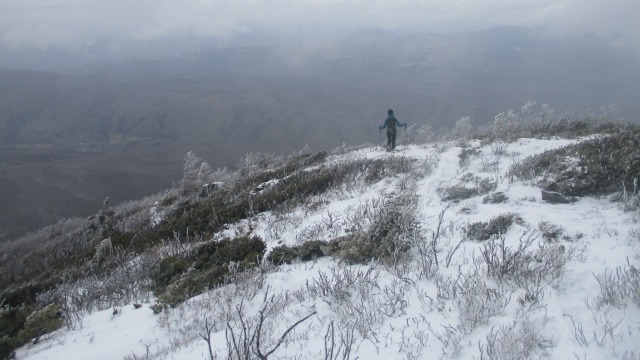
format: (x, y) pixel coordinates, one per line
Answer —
(444, 249)
(277, 96)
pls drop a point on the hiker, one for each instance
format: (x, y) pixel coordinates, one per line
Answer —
(392, 124)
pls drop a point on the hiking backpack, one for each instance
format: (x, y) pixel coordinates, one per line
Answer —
(391, 124)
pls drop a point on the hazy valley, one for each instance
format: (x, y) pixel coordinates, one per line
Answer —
(74, 135)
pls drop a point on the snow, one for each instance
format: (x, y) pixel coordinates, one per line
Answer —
(420, 325)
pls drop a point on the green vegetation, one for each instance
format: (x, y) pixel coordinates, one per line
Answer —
(309, 250)
(182, 276)
(21, 325)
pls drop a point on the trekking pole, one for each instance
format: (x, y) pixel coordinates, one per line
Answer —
(380, 141)
(404, 140)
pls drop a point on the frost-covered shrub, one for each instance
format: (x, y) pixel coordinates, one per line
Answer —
(352, 293)
(465, 155)
(523, 265)
(631, 199)
(495, 198)
(104, 250)
(468, 186)
(41, 322)
(196, 173)
(617, 287)
(477, 302)
(463, 128)
(457, 193)
(390, 166)
(387, 239)
(282, 254)
(519, 340)
(600, 166)
(309, 250)
(486, 230)
(12, 320)
(421, 135)
(17, 328)
(182, 276)
(550, 232)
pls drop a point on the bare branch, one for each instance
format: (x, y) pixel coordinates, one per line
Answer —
(265, 356)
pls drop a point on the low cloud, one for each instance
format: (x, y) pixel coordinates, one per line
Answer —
(60, 23)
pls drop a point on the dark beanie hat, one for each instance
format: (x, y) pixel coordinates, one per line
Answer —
(390, 112)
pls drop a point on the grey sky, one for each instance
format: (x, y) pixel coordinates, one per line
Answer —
(46, 23)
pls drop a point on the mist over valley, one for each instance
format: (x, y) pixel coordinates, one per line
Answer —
(76, 132)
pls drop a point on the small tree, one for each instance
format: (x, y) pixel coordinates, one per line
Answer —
(463, 128)
(195, 175)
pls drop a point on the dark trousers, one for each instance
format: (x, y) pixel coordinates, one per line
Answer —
(391, 140)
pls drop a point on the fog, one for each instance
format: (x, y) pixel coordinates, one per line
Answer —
(77, 24)
(104, 98)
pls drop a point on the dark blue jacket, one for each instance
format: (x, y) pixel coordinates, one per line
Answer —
(389, 119)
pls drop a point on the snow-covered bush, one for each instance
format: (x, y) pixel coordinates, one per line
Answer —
(617, 287)
(599, 166)
(495, 198)
(631, 200)
(486, 230)
(307, 251)
(550, 232)
(387, 239)
(251, 336)
(463, 128)
(467, 187)
(177, 278)
(465, 156)
(422, 134)
(519, 340)
(478, 302)
(523, 266)
(352, 293)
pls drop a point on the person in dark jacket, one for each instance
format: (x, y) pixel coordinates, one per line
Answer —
(391, 124)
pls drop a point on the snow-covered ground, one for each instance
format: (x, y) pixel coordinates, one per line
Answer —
(412, 310)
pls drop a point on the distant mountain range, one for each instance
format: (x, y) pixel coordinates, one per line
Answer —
(71, 137)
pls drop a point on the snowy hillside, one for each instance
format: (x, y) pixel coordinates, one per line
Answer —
(441, 250)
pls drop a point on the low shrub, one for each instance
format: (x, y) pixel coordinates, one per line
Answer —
(309, 250)
(526, 266)
(550, 232)
(41, 322)
(135, 242)
(495, 198)
(282, 254)
(379, 169)
(12, 321)
(388, 237)
(465, 155)
(467, 187)
(599, 166)
(20, 325)
(616, 287)
(180, 277)
(486, 230)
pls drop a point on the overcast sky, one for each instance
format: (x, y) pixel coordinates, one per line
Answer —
(46, 23)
